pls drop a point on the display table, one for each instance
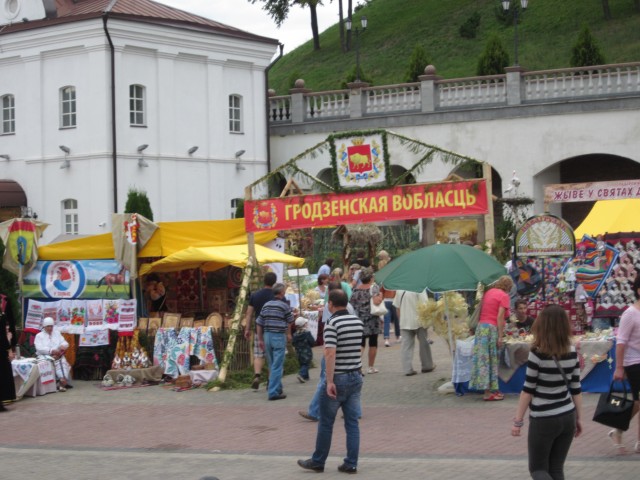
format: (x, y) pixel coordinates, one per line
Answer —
(139, 374)
(597, 364)
(172, 350)
(28, 381)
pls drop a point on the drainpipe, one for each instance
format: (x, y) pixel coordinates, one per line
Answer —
(266, 82)
(114, 142)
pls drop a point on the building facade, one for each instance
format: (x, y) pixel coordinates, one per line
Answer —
(101, 96)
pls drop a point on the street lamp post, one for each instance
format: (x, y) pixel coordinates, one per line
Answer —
(349, 24)
(505, 7)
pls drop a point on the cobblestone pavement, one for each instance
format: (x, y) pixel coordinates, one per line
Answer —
(408, 430)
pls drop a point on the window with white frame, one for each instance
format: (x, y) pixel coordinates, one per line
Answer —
(235, 203)
(68, 107)
(136, 105)
(70, 216)
(8, 104)
(235, 113)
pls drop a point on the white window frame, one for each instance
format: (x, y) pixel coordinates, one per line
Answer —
(8, 117)
(68, 118)
(70, 221)
(235, 113)
(137, 104)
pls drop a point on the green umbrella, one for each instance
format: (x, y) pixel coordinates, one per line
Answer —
(440, 268)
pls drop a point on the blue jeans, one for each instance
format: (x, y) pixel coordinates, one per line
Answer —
(391, 316)
(348, 386)
(304, 371)
(314, 406)
(275, 348)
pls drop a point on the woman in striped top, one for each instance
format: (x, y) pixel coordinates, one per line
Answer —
(554, 399)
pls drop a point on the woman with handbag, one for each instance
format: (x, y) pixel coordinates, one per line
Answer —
(628, 360)
(488, 339)
(555, 402)
(363, 296)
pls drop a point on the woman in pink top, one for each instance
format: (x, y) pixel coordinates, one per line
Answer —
(495, 311)
(628, 359)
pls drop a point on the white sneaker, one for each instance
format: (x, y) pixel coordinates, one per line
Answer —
(399, 339)
(386, 343)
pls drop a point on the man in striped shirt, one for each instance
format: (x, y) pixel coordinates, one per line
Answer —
(273, 335)
(342, 349)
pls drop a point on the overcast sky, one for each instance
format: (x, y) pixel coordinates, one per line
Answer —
(295, 31)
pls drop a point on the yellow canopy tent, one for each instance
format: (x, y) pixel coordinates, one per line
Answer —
(214, 258)
(170, 237)
(611, 216)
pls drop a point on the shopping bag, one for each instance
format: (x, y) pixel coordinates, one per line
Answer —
(475, 317)
(379, 310)
(613, 410)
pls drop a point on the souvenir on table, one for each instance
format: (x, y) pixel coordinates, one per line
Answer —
(143, 323)
(116, 364)
(170, 320)
(144, 359)
(154, 324)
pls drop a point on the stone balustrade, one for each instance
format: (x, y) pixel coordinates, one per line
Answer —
(434, 94)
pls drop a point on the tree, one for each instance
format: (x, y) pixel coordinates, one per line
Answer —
(585, 51)
(494, 59)
(606, 10)
(417, 63)
(138, 202)
(278, 10)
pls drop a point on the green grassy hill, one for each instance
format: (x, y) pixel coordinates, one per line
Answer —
(547, 31)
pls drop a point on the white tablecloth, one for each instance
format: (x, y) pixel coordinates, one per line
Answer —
(26, 377)
(203, 376)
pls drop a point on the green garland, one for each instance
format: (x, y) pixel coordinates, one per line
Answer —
(428, 153)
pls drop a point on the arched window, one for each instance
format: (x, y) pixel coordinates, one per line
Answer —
(68, 107)
(235, 113)
(137, 105)
(70, 216)
(8, 105)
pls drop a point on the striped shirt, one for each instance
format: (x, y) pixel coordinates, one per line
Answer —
(544, 381)
(275, 316)
(344, 333)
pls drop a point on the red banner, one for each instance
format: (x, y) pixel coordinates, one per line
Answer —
(429, 200)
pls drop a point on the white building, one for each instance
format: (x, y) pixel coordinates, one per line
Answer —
(100, 96)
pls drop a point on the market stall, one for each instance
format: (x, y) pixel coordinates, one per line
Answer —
(596, 353)
(89, 294)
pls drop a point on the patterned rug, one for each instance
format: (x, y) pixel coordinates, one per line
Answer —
(120, 387)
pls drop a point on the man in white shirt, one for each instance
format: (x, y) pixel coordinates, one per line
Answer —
(406, 304)
(50, 343)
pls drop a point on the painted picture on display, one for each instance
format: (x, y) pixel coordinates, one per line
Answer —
(450, 230)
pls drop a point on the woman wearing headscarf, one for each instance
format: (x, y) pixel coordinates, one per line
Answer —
(361, 301)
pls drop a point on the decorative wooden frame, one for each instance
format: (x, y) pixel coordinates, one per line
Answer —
(217, 300)
(143, 323)
(198, 323)
(186, 322)
(171, 320)
(214, 320)
(154, 323)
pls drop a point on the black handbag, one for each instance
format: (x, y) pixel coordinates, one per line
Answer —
(613, 410)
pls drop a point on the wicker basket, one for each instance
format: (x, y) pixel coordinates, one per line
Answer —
(183, 381)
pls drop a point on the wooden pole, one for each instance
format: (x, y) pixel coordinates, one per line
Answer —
(235, 323)
(240, 303)
(489, 235)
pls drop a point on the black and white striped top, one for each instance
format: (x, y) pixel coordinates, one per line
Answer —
(544, 381)
(344, 333)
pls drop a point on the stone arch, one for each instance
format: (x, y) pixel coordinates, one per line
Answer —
(13, 200)
(584, 169)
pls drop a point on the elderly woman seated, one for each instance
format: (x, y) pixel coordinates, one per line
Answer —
(51, 345)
